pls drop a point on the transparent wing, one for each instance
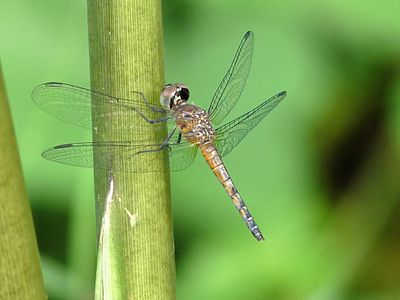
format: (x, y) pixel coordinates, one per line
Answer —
(125, 156)
(75, 104)
(181, 152)
(229, 135)
(181, 156)
(231, 87)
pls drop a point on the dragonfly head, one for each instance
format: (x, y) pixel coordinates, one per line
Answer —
(174, 94)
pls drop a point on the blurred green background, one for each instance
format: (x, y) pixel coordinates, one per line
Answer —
(320, 173)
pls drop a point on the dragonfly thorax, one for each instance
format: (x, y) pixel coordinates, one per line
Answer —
(195, 124)
(174, 95)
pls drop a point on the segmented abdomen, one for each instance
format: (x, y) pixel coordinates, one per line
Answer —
(213, 159)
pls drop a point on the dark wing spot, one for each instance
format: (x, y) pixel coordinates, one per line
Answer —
(63, 146)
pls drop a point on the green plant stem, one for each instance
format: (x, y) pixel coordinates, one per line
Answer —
(20, 274)
(134, 219)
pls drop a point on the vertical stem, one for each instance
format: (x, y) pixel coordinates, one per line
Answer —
(136, 255)
(20, 275)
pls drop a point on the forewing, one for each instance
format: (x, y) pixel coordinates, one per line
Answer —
(75, 104)
(231, 87)
(229, 135)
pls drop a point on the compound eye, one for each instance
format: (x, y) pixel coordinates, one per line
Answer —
(167, 94)
(183, 93)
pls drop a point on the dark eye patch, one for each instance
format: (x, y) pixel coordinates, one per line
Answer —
(183, 93)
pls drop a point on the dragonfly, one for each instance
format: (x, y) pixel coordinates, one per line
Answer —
(190, 128)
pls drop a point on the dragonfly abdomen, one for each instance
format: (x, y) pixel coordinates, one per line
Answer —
(213, 159)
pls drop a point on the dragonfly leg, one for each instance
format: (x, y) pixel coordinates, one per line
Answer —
(153, 108)
(163, 145)
(166, 141)
(179, 137)
(149, 105)
(152, 121)
(160, 148)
